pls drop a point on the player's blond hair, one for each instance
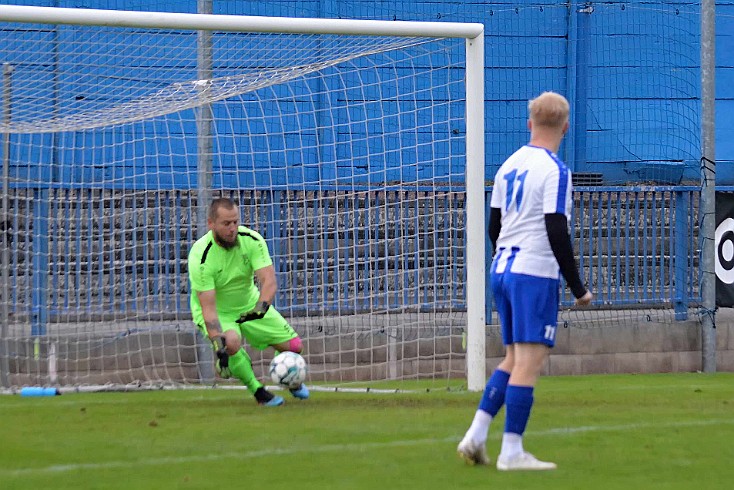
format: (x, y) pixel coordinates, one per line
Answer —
(549, 109)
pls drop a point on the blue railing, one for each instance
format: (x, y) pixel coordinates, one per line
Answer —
(81, 253)
(638, 245)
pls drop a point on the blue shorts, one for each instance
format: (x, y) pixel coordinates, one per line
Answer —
(527, 307)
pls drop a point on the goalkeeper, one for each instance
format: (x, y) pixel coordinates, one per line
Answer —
(227, 306)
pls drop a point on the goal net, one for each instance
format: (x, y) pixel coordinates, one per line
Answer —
(346, 151)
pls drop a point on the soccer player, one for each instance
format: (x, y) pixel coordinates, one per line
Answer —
(528, 226)
(226, 304)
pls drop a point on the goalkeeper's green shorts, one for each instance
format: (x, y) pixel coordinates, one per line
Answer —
(260, 334)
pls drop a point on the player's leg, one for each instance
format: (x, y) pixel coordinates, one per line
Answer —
(529, 360)
(271, 331)
(472, 447)
(274, 331)
(492, 400)
(238, 363)
(291, 345)
(535, 309)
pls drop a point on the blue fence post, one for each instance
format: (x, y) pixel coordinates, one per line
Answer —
(681, 254)
(576, 85)
(39, 306)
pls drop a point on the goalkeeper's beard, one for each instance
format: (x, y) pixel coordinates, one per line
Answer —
(224, 243)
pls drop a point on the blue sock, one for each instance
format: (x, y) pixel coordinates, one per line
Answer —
(519, 401)
(494, 393)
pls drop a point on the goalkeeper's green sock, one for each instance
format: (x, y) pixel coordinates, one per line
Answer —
(241, 368)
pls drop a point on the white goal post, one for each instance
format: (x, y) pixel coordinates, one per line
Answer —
(106, 172)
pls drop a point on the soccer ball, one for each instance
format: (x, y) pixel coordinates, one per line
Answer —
(288, 369)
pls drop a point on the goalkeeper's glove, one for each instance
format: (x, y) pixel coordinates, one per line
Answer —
(257, 313)
(222, 363)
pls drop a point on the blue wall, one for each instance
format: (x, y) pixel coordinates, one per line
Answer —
(725, 91)
(633, 69)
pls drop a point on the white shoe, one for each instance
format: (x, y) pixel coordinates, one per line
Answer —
(523, 461)
(472, 453)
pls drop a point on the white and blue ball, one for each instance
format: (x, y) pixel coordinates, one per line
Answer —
(288, 369)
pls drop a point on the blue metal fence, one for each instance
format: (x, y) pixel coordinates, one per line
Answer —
(81, 253)
(638, 246)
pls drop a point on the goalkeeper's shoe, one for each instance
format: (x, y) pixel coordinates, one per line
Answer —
(471, 452)
(523, 461)
(301, 392)
(267, 399)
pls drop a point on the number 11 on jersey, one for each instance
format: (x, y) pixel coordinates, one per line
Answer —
(511, 177)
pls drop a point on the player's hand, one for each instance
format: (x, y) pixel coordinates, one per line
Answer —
(220, 348)
(585, 299)
(257, 313)
(222, 362)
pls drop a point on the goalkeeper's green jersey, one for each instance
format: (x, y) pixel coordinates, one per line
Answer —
(230, 272)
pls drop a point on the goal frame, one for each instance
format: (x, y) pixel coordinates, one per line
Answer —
(473, 33)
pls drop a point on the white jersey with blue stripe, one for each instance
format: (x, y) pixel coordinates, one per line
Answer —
(531, 183)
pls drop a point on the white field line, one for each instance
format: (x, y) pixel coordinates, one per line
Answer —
(559, 431)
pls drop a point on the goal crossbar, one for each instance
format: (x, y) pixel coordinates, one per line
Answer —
(234, 23)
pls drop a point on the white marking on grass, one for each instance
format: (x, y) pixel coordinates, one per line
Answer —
(110, 401)
(617, 428)
(559, 431)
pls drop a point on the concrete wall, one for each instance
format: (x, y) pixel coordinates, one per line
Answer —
(640, 348)
(649, 344)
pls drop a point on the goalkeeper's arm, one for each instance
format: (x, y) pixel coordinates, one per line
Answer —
(208, 302)
(267, 282)
(268, 286)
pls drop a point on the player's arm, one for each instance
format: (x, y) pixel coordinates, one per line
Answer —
(557, 201)
(268, 284)
(556, 225)
(495, 225)
(495, 211)
(208, 302)
(262, 264)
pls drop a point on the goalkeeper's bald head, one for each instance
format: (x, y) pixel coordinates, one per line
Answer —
(216, 204)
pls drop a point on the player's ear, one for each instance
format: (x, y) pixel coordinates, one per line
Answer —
(530, 125)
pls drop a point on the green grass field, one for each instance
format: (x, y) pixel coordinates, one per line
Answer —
(605, 432)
